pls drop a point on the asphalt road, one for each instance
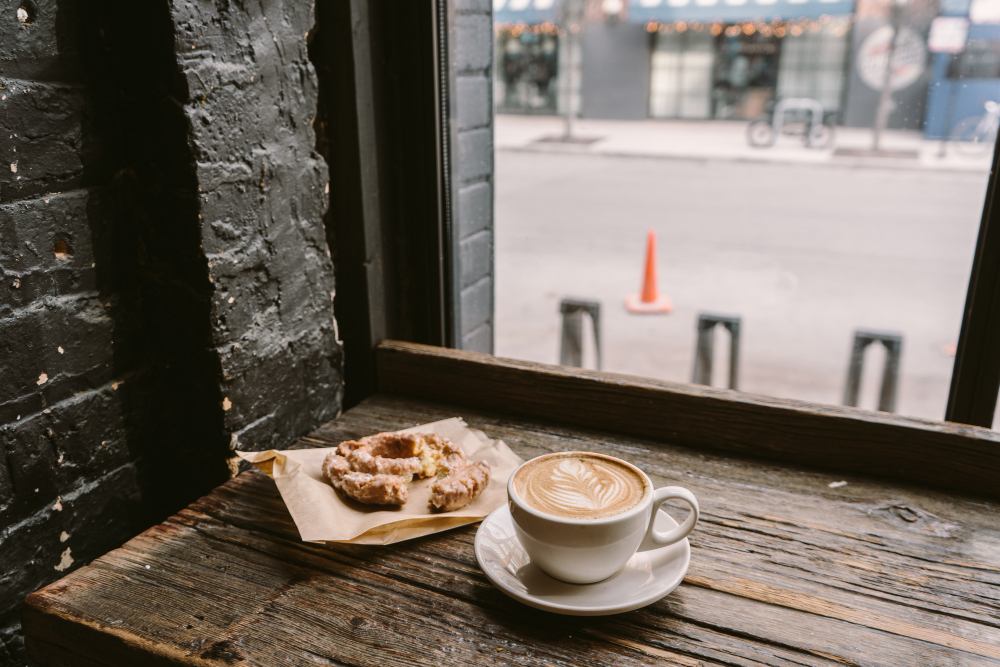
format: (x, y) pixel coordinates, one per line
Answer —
(804, 254)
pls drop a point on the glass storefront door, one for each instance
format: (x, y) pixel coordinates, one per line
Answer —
(527, 71)
(746, 73)
(814, 61)
(681, 78)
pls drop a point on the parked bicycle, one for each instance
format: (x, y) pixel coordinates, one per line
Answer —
(796, 116)
(976, 135)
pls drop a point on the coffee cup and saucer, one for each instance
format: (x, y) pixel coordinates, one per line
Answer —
(585, 534)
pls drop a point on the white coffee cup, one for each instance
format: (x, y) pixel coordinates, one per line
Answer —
(587, 550)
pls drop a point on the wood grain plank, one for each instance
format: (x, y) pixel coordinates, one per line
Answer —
(218, 594)
(948, 456)
(710, 630)
(785, 571)
(942, 555)
(783, 597)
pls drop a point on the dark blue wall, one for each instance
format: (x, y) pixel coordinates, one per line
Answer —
(951, 100)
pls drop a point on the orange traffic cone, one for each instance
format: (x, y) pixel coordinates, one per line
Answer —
(649, 302)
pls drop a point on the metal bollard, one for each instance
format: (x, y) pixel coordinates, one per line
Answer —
(893, 343)
(571, 343)
(705, 348)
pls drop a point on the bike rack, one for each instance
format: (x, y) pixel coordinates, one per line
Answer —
(813, 115)
(705, 348)
(893, 344)
(811, 106)
(571, 341)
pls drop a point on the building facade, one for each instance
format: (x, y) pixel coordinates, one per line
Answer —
(693, 59)
(731, 59)
(963, 79)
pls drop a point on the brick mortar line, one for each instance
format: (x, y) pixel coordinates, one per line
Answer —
(37, 517)
(70, 84)
(484, 126)
(72, 192)
(478, 232)
(479, 180)
(79, 396)
(49, 301)
(291, 337)
(475, 284)
(475, 329)
(479, 276)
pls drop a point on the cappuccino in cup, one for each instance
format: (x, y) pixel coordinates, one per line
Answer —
(580, 516)
(580, 485)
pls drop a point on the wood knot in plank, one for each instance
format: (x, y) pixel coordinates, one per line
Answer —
(359, 624)
(910, 517)
(224, 650)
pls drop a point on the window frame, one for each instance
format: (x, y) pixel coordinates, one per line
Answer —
(842, 440)
(390, 197)
(397, 276)
(975, 378)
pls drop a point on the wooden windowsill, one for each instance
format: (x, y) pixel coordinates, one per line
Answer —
(943, 455)
(784, 568)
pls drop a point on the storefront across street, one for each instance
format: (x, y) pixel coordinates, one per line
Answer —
(731, 59)
(701, 59)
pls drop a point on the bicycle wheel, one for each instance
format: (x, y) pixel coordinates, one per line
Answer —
(820, 137)
(968, 138)
(760, 133)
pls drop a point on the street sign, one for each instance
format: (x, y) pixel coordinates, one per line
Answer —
(907, 62)
(985, 11)
(948, 34)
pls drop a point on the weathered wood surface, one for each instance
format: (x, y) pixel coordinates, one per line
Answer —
(784, 571)
(953, 457)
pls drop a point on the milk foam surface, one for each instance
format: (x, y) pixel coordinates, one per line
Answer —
(579, 486)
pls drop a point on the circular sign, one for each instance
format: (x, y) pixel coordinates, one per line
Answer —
(908, 61)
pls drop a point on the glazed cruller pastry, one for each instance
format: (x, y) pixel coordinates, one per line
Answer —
(378, 469)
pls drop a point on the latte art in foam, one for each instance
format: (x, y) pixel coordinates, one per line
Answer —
(579, 486)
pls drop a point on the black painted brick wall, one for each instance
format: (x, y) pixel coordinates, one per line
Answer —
(165, 281)
(263, 193)
(68, 484)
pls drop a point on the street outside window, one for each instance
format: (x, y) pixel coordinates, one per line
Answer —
(774, 196)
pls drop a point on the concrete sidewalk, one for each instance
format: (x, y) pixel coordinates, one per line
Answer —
(724, 141)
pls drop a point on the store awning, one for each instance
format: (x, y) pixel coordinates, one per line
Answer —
(525, 11)
(532, 12)
(731, 11)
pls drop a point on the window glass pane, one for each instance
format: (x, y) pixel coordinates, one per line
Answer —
(813, 172)
(979, 60)
(526, 71)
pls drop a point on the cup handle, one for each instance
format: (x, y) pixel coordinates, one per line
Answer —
(662, 495)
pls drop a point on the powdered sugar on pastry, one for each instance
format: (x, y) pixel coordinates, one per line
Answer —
(388, 445)
(384, 454)
(372, 489)
(440, 456)
(460, 487)
(377, 469)
(375, 489)
(335, 467)
(364, 461)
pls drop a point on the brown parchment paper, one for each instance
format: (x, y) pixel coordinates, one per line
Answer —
(322, 515)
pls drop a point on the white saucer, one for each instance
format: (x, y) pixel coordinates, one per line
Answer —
(648, 576)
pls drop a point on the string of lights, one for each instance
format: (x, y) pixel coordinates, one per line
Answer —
(837, 26)
(516, 29)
